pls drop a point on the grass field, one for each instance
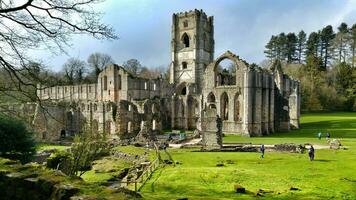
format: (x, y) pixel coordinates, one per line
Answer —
(331, 176)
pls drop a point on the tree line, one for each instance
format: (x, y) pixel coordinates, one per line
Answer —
(326, 44)
(324, 62)
(77, 71)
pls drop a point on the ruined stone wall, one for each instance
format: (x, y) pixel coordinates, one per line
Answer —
(68, 92)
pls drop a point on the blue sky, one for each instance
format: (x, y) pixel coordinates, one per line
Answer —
(241, 26)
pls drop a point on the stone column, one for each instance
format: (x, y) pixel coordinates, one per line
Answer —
(247, 114)
(258, 105)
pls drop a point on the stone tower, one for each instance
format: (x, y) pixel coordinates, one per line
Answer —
(192, 47)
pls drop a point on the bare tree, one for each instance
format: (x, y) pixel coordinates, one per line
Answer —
(27, 25)
(74, 70)
(98, 61)
(133, 66)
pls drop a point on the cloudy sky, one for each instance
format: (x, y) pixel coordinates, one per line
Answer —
(241, 26)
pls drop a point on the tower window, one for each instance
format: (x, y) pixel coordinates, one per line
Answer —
(105, 82)
(185, 23)
(185, 40)
(184, 65)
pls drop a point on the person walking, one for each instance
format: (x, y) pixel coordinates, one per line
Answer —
(319, 135)
(311, 153)
(262, 150)
(327, 136)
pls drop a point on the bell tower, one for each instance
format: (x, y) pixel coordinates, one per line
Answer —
(192, 47)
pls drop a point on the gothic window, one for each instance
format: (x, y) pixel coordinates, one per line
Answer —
(224, 107)
(154, 124)
(184, 91)
(184, 65)
(226, 72)
(119, 82)
(105, 82)
(145, 85)
(185, 40)
(95, 107)
(154, 87)
(211, 98)
(129, 108)
(185, 23)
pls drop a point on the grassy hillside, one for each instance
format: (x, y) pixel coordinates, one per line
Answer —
(331, 175)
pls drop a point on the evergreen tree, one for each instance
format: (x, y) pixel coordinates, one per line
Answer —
(271, 48)
(339, 42)
(326, 36)
(353, 44)
(301, 45)
(291, 47)
(312, 44)
(281, 46)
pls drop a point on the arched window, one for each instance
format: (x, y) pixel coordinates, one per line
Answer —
(154, 124)
(224, 106)
(119, 82)
(184, 65)
(95, 107)
(211, 98)
(129, 127)
(185, 23)
(226, 72)
(185, 40)
(184, 91)
(105, 83)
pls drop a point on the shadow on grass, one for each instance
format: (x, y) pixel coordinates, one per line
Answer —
(323, 160)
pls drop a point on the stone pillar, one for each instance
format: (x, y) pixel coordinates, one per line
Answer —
(173, 105)
(294, 105)
(257, 105)
(247, 114)
(271, 105)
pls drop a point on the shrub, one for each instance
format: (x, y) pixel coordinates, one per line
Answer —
(16, 140)
(85, 149)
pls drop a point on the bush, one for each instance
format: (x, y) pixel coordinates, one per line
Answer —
(85, 149)
(59, 160)
(16, 140)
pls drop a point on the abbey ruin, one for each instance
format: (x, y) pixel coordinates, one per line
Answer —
(251, 102)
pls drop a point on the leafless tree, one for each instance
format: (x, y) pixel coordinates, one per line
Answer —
(27, 25)
(98, 61)
(74, 70)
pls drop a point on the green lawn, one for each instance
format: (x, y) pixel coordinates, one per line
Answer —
(331, 176)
